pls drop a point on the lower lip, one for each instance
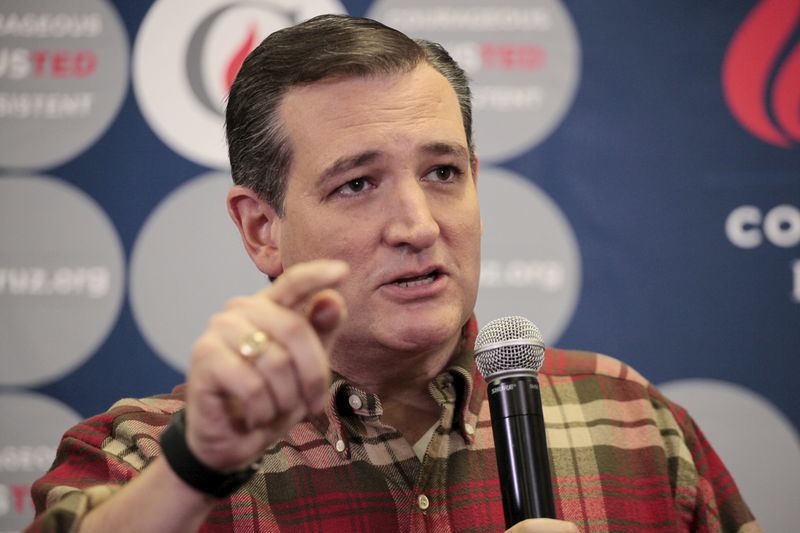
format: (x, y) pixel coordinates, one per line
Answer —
(425, 290)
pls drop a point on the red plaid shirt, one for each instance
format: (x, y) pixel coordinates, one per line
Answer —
(623, 459)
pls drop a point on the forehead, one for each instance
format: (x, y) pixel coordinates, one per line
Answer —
(325, 119)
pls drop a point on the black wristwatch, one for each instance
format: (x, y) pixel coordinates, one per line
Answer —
(191, 470)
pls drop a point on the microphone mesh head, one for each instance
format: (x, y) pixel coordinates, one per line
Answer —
(509, 345)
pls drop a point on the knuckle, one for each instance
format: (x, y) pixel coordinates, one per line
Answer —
(220, 321)
(289, 404)
(296, 326)
(250, 391)
(278, 360)
(270, 411)
(282, 399)
(204, 347)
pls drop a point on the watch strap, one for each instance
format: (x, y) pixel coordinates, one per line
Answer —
(191, 470)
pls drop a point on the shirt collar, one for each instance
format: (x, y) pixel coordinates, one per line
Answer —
(345, 399)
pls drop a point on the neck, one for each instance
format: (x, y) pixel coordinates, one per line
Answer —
(400, 379)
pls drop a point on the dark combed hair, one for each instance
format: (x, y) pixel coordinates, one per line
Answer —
(322, 47)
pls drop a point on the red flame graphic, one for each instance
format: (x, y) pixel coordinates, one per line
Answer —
(750, 62)
(236, 61)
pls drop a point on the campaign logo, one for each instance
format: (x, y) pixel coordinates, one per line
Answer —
(63, 74)
(761, 73)
(522, 58)
(748, 227)
(186, 57)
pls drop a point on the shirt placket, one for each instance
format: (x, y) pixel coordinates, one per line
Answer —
(431, 512)
(394, 456)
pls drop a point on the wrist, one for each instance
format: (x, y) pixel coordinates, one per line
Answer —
(191, 470)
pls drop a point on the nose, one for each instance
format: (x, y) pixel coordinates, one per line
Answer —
(411, 220)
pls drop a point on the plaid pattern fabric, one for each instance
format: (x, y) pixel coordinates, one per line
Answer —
(623, 459)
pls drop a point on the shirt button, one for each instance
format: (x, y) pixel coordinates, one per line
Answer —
(469, 429)
(423, 502)
(354, 401)
(340, 445)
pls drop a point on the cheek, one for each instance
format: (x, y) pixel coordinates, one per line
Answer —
(465, 243)
(307, 242)
(469, 229)
(347, 240)
(473, 234)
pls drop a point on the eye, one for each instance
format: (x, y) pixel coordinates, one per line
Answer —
(444, 174)
(352, 187)
(356, 185)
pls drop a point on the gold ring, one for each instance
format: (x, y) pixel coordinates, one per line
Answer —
(253, 345)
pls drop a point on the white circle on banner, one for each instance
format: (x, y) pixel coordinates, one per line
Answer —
(32, 428)
(188, 260)
(186, 55)
(64, 74)
(522, 58)
(61, 278)
(755, 440)
(530, 261)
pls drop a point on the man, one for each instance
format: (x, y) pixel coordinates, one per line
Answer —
(351, 148)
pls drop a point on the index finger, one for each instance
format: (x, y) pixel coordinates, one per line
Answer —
(301, 281)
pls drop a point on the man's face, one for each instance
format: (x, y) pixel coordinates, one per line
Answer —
(381, 178)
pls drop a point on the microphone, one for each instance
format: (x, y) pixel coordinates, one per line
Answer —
(509, 352)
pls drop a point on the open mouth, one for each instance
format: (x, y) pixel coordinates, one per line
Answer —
(424, 279)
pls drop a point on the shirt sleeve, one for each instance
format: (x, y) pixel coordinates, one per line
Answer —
(712, 501)
(81, 478)
(96, 458)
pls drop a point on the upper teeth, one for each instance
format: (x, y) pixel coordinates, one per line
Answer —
(422, 280)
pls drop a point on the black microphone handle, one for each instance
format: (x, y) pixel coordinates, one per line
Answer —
(521, 445)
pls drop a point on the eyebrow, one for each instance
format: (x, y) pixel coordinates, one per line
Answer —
(349, 162)
(444, 148)
(346, 163)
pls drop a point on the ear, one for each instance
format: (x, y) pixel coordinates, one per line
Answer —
(475, 164)
(259, 226)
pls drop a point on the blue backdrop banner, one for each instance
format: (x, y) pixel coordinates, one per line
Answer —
(639, 182)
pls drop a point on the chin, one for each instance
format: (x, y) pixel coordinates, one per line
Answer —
(423, 332)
